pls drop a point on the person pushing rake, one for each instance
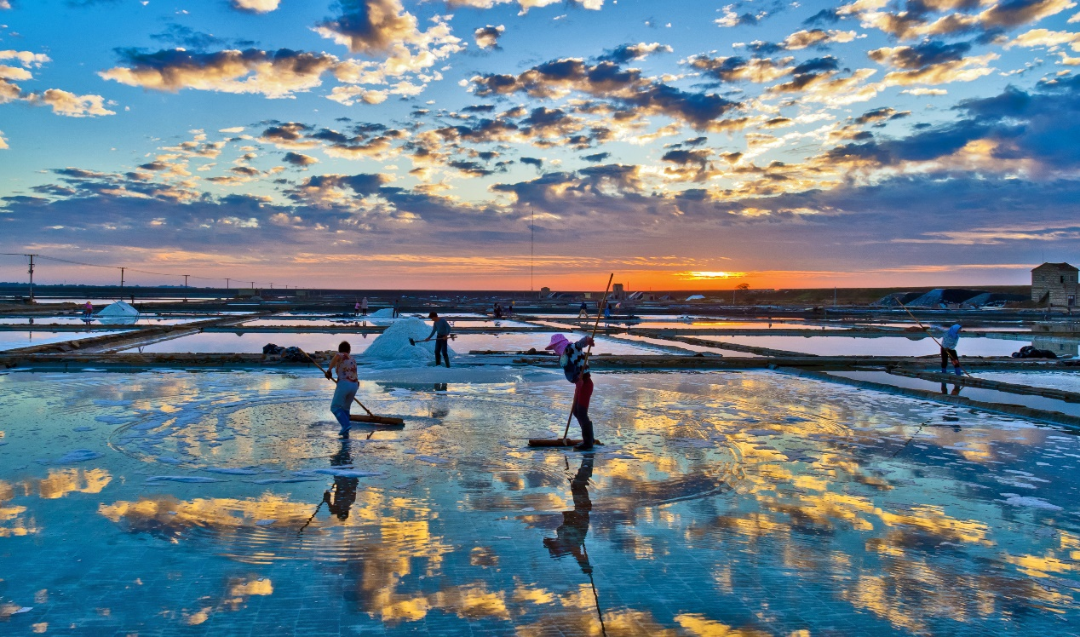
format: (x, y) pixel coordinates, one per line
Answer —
(574, 359)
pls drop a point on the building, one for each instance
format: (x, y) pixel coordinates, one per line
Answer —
(1054, 284)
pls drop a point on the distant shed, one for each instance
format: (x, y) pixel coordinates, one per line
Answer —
(1054, 284)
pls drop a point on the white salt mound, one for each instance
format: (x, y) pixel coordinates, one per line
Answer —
(392, 347)
(386, 312)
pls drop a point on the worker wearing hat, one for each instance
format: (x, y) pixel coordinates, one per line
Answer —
(573, 358)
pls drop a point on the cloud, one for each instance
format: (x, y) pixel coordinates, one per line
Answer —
(525, 5)
(803, 39)
(71, 105)
(3, 142)
(925, 91)
(275, 74)
(932, 63)
(488, 37)
(816, 37)
(299, 159)
(735, 69)
(1044, 37)
(608, 80)
(919, 18)
(188, 38)
(631, 52)
(371, 27)
(26, 58)
(62, 102)
(4, 4)
(881, 115)
(732, 18)
(255, 6)
(382, 29)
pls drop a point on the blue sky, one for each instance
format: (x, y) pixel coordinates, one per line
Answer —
(684, 144)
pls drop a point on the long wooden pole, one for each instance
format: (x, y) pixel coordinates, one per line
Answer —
(585, 363)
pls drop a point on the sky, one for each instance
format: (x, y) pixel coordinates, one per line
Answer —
(517, 144)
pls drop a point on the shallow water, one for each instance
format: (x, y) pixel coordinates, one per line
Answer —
(974, 393)
(253, 342)
(175, 503)
(13, 340)
(1065, 381)
(873, 346)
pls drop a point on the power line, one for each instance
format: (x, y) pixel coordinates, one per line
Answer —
(122, 269)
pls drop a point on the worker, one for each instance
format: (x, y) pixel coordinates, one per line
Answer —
(363, 306)
(948, 349)
(88, 312)
(573, 358)
(497, 311)
(397, 312)
(347, 385)
(510, 310)
(607, 312)
(583, 311)
(440, 329)
(356, 309)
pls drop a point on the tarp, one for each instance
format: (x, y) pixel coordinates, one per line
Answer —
(119, 313)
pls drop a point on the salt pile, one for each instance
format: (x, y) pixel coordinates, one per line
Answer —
(386, 312)
(392, 346)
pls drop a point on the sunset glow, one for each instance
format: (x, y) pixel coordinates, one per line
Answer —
(513, 145)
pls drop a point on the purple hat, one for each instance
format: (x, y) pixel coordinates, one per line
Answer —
(558, 343)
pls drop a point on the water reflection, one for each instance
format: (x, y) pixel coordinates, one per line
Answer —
(344, 489)
(570, 536)
(720, 505)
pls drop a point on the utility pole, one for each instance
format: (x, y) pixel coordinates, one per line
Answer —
(271, 285)
(185, 279)
(227, 281)
(252, 285)
(31, 276)
(122, 277)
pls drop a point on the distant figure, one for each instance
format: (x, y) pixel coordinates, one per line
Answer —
(497, 311)
(572, 358)
(948, 349)
(356, 309)
(397, 313)
(441, 331)
(88, 312)
(347, 386)
(583, 311)
(607, 312)
(363, 306)
(344, 488)
(510, 310)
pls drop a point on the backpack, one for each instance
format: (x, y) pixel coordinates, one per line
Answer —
(571, 369)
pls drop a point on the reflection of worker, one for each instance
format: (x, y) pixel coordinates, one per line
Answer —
(344, 488)
(570, 536)
(955, 389)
